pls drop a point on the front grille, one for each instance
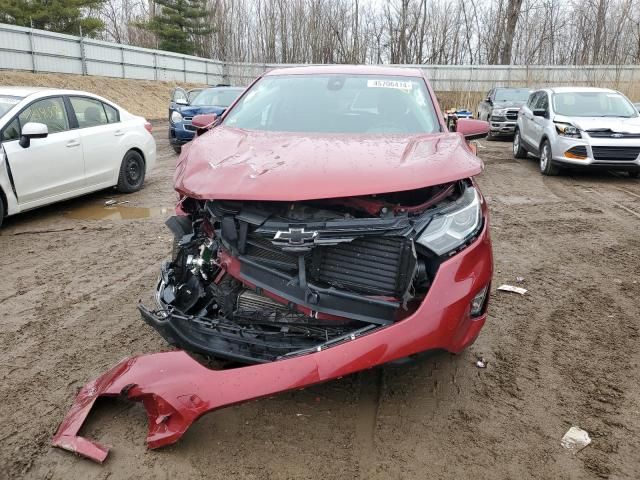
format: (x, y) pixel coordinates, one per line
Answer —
(626, 154)
(262, 250)
(190, 127)
(372, 265)
(512, 115)
(611, 134)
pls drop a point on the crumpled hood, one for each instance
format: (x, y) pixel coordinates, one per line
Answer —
(190, 110)
(615, 124)
(235, 164)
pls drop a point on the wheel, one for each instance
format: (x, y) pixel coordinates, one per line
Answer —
(518, 150)
(132, 172)
(177, 149)
(635, 174)
(546, 165)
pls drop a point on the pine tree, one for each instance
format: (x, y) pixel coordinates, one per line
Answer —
(179, 23)
(62, 16)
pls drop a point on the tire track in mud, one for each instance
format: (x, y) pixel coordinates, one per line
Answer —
(371, 384)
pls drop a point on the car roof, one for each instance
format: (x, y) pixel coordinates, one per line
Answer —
(27, 91)
(579, 89)
(346, 70)
(21, 91)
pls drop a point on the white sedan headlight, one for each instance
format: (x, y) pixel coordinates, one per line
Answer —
(176, 117)
(454, 226)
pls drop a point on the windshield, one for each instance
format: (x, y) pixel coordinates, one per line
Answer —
(216, 97)
(512, 94)
(593, 104)
(336, 104)
(7, 102)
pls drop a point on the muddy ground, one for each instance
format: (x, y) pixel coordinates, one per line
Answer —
(567, 353)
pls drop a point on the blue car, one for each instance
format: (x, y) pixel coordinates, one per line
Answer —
(186, 104)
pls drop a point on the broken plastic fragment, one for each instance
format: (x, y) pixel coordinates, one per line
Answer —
(511, 288)
(575, 439)
(482, 363)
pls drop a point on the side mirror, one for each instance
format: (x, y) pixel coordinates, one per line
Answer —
(32, 130)
(488, 100)
(182, 101)
(472, 129)
(204, 122)
(540, 112)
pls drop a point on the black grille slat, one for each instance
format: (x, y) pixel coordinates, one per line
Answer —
(382, 262)
(615, 153)
(512, 114)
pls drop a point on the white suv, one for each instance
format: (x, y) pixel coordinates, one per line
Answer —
(574, 127)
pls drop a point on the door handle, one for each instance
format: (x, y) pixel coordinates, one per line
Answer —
(118, 133)
(73, 143)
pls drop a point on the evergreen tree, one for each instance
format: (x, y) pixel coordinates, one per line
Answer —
(179, 23)
(63, 16)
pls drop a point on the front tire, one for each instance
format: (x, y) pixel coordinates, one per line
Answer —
(177, 149)
(546, 163)
(518, 150)
(132, 171)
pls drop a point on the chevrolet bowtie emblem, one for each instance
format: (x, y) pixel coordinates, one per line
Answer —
(295, 236)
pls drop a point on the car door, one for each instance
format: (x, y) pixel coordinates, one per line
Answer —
(538, 122)
(51, 168)
(100, 139)
(526, 123)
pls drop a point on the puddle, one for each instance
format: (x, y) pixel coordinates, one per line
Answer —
(116, 212)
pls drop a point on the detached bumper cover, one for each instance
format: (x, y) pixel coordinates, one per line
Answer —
(175, 389)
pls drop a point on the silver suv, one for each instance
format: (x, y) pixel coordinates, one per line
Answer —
(573, 127)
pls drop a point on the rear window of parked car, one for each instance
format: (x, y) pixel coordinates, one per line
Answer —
(89, 112)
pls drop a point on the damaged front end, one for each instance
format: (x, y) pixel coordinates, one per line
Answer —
(306, 291)
(259, 281)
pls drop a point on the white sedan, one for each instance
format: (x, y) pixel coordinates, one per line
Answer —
(58, 144)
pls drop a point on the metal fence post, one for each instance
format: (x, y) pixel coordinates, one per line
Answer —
(83, 57)
(225, 74)
(122, 61)
(155, 66)
(184, 68)
(206, 71)
(33, 53)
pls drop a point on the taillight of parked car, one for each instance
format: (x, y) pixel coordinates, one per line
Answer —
(148, 126)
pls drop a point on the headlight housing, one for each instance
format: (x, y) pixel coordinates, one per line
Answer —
(568, 130)
(499, 112)
(176, 117)
(455, 225)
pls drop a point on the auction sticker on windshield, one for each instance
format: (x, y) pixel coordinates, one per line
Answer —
(389, 84)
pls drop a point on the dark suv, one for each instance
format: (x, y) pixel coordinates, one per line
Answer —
(500, 109)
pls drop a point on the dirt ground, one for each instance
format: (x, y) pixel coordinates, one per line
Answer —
(567, 353)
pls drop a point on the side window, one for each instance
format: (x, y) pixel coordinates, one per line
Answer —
(49, 111)
(11, 131)
(543, 101)
(112, 114)
(490, 94)
(89, 112)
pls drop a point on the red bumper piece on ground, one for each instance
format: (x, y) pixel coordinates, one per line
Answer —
(175, 389)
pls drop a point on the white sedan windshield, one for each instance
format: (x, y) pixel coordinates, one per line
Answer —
(7, 102)
(593, 104)
(331, 103)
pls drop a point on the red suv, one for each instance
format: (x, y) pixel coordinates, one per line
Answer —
(328, 223)
(328, 209)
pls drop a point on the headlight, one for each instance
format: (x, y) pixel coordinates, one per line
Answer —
(568, 130)
(499, 112)
(176, 117)
(455, 226)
